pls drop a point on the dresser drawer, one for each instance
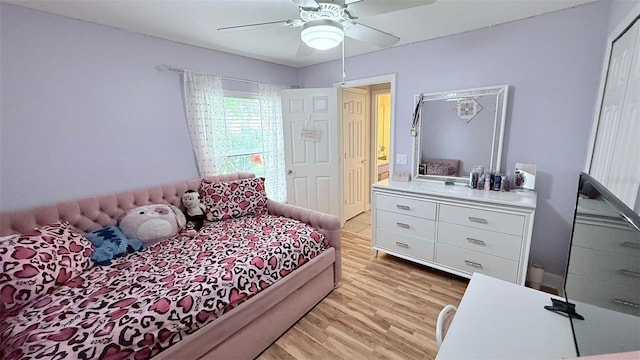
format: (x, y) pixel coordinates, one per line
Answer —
(609, 295)
(406, 225)
(605, 265)
(484, 241)
(609, 238)
(401, 243)
(472, 261)
(483, 219)
(402, 205)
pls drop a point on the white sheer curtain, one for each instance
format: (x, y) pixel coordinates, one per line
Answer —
(204, 106)
(205, 109)
(273, 140)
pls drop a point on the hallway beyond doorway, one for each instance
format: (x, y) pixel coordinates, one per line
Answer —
(359, 224)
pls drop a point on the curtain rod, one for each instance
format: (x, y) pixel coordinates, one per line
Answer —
(165, 67)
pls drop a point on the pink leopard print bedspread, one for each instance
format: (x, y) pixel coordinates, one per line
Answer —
(147, 301)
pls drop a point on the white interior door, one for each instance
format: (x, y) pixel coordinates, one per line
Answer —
(355, 145)
(310, 125)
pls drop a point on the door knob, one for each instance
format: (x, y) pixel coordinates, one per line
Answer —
(363, 161)
(291, 172)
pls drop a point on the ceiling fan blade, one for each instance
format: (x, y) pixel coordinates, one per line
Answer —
(303, 50)
(287, 22)
(306, 4)
(370, 35)
(360, 8)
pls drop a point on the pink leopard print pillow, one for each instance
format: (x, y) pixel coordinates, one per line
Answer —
(232, 199)
(35, 263)
(73, 248)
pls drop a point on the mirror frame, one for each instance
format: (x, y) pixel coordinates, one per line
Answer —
(501, 92)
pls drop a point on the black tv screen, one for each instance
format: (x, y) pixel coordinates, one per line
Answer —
(603, 271)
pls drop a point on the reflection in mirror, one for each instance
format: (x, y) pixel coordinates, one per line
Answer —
(458, 130)
(603, 271)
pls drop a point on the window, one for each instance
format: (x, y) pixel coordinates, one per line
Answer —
(236, 130)
(245, 150)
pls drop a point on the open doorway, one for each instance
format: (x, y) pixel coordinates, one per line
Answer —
(377, 134)
(381, 122)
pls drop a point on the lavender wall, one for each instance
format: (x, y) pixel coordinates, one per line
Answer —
(553, 64)
(84, 110)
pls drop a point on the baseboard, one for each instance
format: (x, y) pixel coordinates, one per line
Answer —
(554, 281)
(551, 283)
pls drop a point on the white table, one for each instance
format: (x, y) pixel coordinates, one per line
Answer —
(501, 320)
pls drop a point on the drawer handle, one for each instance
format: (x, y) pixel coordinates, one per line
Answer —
(474, 264)
(629, 273)
(403, 207)
(402, 245)
(403, 225)
(478, 220)
(626, 303)
(476, 241)
(629, 244)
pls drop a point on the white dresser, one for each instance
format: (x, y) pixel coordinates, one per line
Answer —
(455, 228)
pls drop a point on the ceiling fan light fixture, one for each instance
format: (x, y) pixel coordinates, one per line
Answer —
(322, 34)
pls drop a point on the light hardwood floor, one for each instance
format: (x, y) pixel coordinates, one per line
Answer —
(384, 308)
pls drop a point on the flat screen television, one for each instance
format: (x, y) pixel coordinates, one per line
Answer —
(603, 272)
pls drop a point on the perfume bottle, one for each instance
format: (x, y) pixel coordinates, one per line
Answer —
(506, 182)
(497, 182)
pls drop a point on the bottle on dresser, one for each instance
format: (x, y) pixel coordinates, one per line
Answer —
(476, 176)
(506, 182)
(497, 181)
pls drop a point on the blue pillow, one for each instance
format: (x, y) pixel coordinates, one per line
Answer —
(109, 243)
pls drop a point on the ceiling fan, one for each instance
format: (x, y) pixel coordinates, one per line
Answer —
(325, 23)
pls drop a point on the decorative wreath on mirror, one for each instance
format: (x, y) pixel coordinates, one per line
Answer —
(467, 109)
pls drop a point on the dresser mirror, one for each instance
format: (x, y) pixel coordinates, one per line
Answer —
(458, 130)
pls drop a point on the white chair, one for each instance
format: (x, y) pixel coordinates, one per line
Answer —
(444, 321)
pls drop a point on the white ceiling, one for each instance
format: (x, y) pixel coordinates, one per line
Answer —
(195, 22)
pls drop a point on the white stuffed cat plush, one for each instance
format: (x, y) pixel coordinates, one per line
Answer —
(151, 223)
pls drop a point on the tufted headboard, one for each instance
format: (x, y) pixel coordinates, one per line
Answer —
(95, 212)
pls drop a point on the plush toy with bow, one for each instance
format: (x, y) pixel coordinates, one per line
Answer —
(195, 212)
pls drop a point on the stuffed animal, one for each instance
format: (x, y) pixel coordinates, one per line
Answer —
(109, 242)
(195, 212)
(151, 223)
